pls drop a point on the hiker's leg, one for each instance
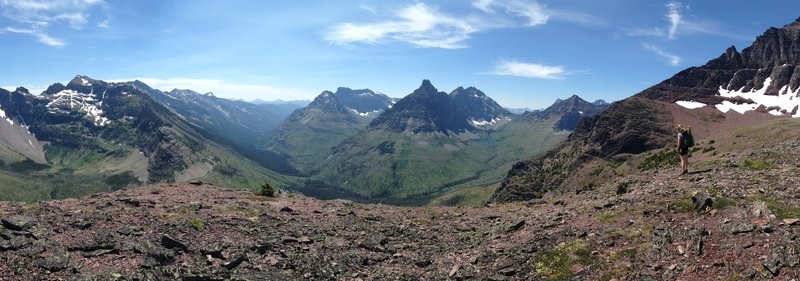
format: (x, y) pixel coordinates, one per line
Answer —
(684, 162)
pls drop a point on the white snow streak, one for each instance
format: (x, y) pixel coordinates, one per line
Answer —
(785, 100)
(80, 102)
(690, 104)
(484, 122)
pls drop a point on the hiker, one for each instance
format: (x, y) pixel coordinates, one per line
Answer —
(682, 144)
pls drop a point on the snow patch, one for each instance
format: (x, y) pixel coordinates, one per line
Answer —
(484, 122)
(785, 100)
(3, 115)
(364, 113)
(85, 82)
(74, 101)
(690, 104)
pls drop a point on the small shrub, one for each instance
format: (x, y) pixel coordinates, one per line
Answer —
(663, 158)
(710, 142)
(558, 263)
(683, 205)
(779, 209)
(266, 190)
(607, 217)
(622, 188)
(754, 164)
(707, 149)
(196, 223)
(722, 202)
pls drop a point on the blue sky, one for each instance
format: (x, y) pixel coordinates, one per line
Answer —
(523, 53)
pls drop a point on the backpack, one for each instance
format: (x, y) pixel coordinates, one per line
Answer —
(686, 137)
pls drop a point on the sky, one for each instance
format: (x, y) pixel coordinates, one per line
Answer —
(522, 53)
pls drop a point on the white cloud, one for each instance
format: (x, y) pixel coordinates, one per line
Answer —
(535, 13)
(679, 22)
(528, 70)
(39, 34)
(483, 5)
(428, 27)
(104, 24)
(671, 59)
(674, 17)
(34, 17)
(222, 88)
(418, 24)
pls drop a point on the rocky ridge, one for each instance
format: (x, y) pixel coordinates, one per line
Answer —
(637, 226)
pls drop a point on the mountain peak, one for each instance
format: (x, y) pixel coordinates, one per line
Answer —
(424, 110)
(427, 87)
(22, 90)
(81, 80)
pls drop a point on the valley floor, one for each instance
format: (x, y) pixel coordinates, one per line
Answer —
(640, 226)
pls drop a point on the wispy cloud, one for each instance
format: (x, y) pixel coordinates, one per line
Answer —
(674, 17)
(673, 60)
(533, 11)
(35, 17)
(41, 36)
(426, 26)
(419, 24)
(222, 88)
(680, 22)
(528, 70)
(483, 5)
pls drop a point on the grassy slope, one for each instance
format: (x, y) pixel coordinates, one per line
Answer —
(79, 172)
(512, 142)
(413, 169)
(308, 143)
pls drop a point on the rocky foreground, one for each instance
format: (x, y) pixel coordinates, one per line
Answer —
(642, 226)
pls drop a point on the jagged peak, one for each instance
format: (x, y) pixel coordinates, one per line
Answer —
(469, 90)
(600, 102)
(183, 92)
(345, 90)
(22, 90)
(82, 80)
(731, 51)
(325, 97)
(427, 86)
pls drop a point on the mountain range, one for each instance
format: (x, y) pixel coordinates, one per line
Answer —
(90, 135)
(736, 89)
(428, 143)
